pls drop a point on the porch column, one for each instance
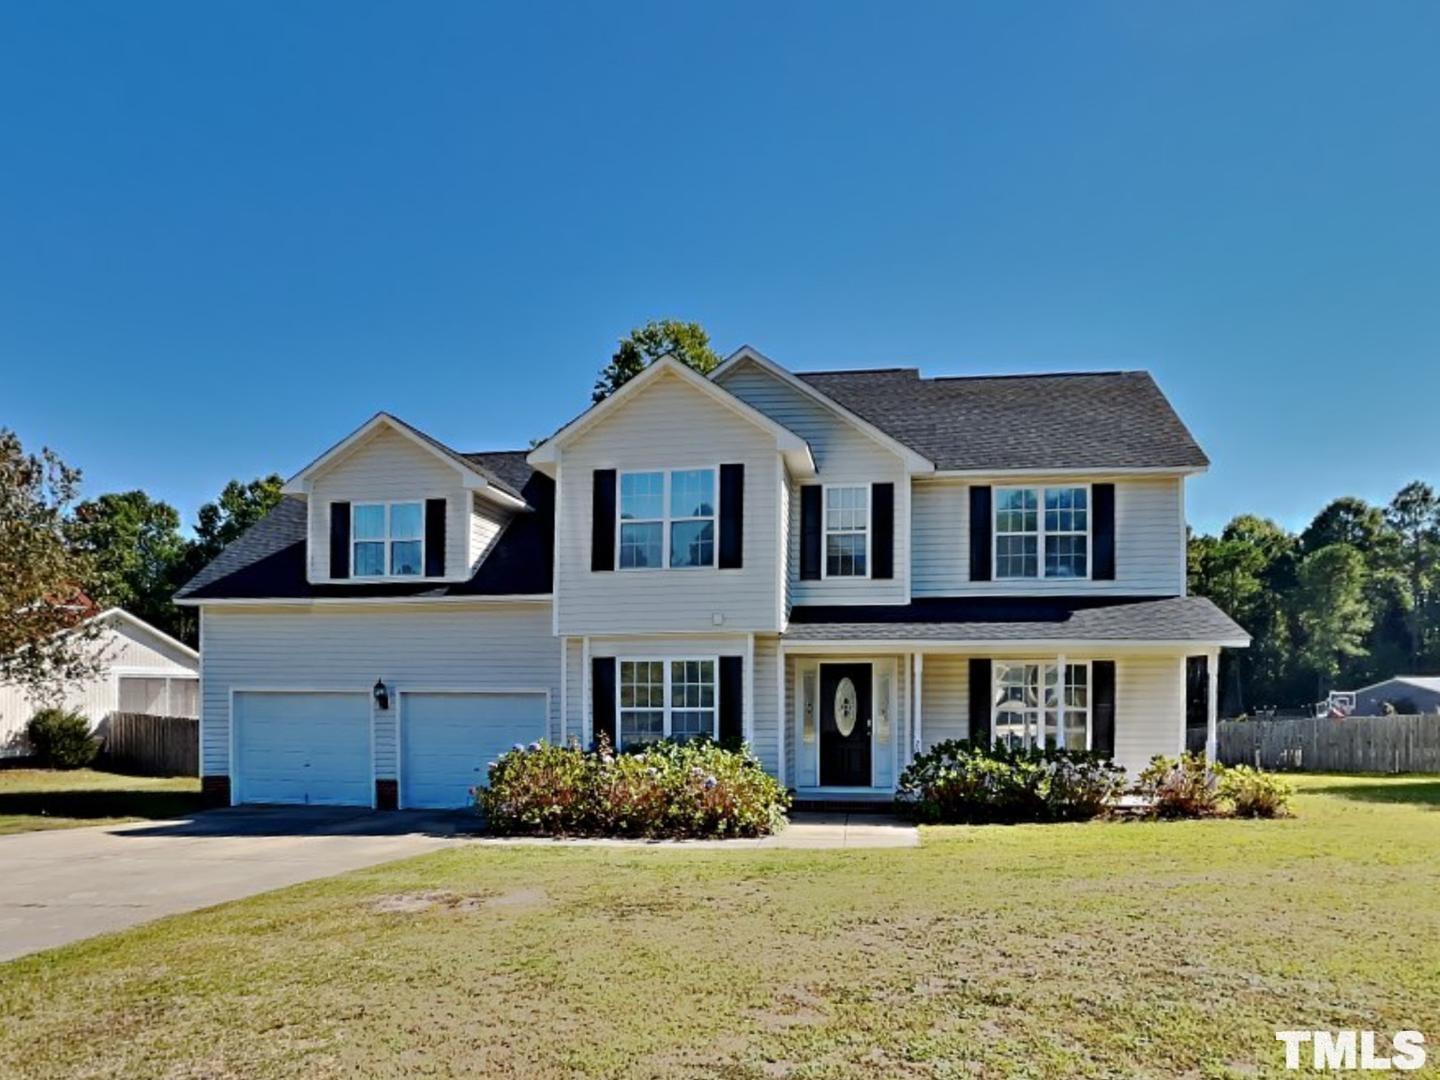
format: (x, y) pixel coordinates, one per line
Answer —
(587, 729)
(747, 708)
(781, 731)
(1059, 706)
(1212, 705)
(564, 689)
(918, 667)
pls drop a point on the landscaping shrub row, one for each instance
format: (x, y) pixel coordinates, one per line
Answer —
(959, 782)
(673, 789)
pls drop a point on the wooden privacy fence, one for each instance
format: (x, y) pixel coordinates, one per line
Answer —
(152, 745)
(1386, 744)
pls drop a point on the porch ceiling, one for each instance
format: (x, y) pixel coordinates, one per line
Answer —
(1142, 622)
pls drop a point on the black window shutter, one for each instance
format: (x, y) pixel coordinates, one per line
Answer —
(810, 532)
(602, 697)
(1102, 531)
(434, 537)
(732, 698)
(882, 521)
(339, 539)
(979, 532)
(981, 700)
(1102, 707)
(732, 516)
(602, 521)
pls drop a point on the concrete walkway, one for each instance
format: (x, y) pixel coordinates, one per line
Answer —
(63, 885)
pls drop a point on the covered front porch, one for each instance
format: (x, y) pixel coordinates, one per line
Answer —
(862, 698)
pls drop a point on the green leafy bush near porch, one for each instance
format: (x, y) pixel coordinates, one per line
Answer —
(959, 782)
(691, 789)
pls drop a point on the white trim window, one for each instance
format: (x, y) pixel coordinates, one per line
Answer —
(387, 539)
(666, 699)
(1032, 710)
(667, 519)
(159, 695)
(1042, 532)
(847, 531)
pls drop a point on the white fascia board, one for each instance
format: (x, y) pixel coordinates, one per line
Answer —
(916, 464)
(983, 647)
(473, 480)
(322, 601)
(795, 449)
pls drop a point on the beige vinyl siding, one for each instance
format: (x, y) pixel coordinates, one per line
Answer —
(388, 467)
(487, 521)
(765, 734)
(945, 699)
(494, 646)
(122, 648)
(843, 455)
(668, 425)
(1149, 539)
(1149, 709)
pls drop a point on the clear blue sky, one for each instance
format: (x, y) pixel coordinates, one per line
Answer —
(231, 232)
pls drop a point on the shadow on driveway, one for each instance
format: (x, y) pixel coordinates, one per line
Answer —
(310, 821)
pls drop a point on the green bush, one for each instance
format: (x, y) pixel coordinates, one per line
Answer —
(1253, 793)
(694, 788)
(1181, 787)
(959, 782)
(61, 740)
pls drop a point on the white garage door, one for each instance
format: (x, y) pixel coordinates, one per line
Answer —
(308, 749)
(447, 740)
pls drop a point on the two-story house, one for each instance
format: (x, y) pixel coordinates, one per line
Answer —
(843, 568)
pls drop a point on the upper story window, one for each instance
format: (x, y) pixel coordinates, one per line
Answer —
(1042, 532)
(847, 531)
(387, 539)
(662, 699)
(667, 519)
(1034, 709)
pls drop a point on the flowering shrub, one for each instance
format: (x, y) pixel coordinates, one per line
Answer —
(669, 789)
(1252, 793)
(1181, 787)
(961, 782)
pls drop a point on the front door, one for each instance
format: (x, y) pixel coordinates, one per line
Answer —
(845, 725)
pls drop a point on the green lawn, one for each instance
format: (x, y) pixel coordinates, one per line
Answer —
(62, 799)
(1128, 949)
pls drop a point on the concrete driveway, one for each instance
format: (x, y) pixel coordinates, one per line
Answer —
(68, 884)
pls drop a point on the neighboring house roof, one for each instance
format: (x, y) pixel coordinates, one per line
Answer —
(1190, 619)
(120, 615)
(1083, 420)
(268, 561)
(792, 447)
(1420, 682)
(479, 474)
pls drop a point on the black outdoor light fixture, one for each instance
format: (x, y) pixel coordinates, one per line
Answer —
(382, 696)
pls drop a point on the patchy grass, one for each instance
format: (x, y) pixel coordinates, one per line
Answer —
(64, 798)
(1134, 949)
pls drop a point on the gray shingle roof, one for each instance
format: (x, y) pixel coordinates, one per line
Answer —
(1091, 420)
(1000, 619)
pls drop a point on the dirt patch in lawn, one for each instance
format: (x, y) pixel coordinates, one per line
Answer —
(441, 899)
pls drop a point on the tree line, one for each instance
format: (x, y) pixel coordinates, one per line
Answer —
(1349, 601)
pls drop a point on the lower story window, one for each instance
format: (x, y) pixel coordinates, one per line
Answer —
(666, 699)
(1036, 708)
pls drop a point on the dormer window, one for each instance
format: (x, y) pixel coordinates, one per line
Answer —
(388, 539)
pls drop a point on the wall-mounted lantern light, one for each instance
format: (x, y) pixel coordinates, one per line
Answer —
(382, 696)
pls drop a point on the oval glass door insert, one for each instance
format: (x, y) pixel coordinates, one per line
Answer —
(845, 707)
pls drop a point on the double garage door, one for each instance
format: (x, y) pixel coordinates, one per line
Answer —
(316, 748)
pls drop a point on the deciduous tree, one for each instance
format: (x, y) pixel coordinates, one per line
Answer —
(686, 341)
